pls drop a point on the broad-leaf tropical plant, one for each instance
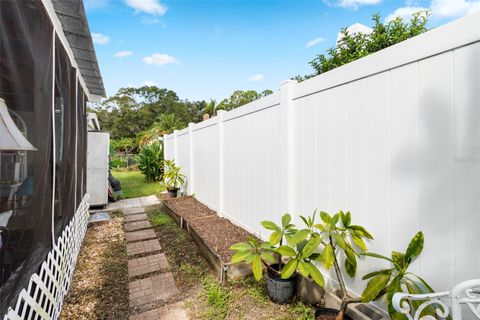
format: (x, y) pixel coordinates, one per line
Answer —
(290, 249)
(340, 239)
(150, 161)
(172, 178)
(397, 278)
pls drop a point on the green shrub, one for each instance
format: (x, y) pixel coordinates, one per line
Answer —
(150, 161)
(359, 45)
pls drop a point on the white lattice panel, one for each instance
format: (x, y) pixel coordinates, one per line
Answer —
(43, 298)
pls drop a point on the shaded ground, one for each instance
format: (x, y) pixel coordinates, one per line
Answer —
(99, 288)
(134, 184)
(204, 298)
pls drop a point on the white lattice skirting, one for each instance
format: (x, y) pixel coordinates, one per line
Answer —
(46, 290)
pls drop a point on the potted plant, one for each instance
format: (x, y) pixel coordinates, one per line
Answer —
(397, 278)
(340, 239)
(172, 178)
(287, 252)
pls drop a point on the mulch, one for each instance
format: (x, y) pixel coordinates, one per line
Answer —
(219, 234)
(188, 208)
(216, 232)
(99, 288)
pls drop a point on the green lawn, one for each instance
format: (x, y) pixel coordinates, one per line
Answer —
(134, 184)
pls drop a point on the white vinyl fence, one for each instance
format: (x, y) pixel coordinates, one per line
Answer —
(393, 137)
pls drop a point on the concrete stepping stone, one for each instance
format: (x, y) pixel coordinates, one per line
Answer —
(150, 200)
(135, 217)
(132, 203)
(137, 225)
(125, 203)
(173, 311)
(140, 235)
(148, 264)
(129, 211)
(143, 247)
(153, 289)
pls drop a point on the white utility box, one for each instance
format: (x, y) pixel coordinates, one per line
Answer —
(97, 167)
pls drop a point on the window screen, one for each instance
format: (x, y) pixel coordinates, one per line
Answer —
(25, 177)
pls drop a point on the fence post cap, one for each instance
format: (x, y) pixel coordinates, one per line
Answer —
(289, 81)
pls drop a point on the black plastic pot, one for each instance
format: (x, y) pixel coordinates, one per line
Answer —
(280, 290)
(329, 311)
(172, 193)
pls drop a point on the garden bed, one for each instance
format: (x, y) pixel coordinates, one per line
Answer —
(213, 235)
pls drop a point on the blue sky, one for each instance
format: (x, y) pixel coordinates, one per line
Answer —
(208, 49)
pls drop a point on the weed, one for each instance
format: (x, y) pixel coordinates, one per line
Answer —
(256, 290)
(301, 311)
(218, 299)
(192, 270)
(116, 214)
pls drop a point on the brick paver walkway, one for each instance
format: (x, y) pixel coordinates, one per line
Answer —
(148, 264)
(140, 235)
(137, 225)
(143, 247)
(152, 289)
(153, 284)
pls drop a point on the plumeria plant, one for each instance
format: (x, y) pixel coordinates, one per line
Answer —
(341, 239)
(173, 178)
(287, 251)
(397, 278)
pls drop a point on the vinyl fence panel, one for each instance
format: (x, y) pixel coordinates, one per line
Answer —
(393, 137)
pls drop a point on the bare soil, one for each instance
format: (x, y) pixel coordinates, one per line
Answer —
(99, 288)
(326, 317)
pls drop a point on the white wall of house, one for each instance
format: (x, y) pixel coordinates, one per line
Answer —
(393, 137)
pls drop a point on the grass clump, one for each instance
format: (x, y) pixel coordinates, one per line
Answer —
(158, 219)
(218, 300)
(134, 184)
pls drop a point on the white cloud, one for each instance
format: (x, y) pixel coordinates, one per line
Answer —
(100, 38)
(149, 83)
(453, 8)
(354, 4)
(153, 7)
(150, 20)
(440, 9)
(123, 54)
(405, 13)
(160, 59)
(256, 77)
(314, 42)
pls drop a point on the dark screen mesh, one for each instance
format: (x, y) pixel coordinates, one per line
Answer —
(65, 131)
(25, 177)
(81, 142)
